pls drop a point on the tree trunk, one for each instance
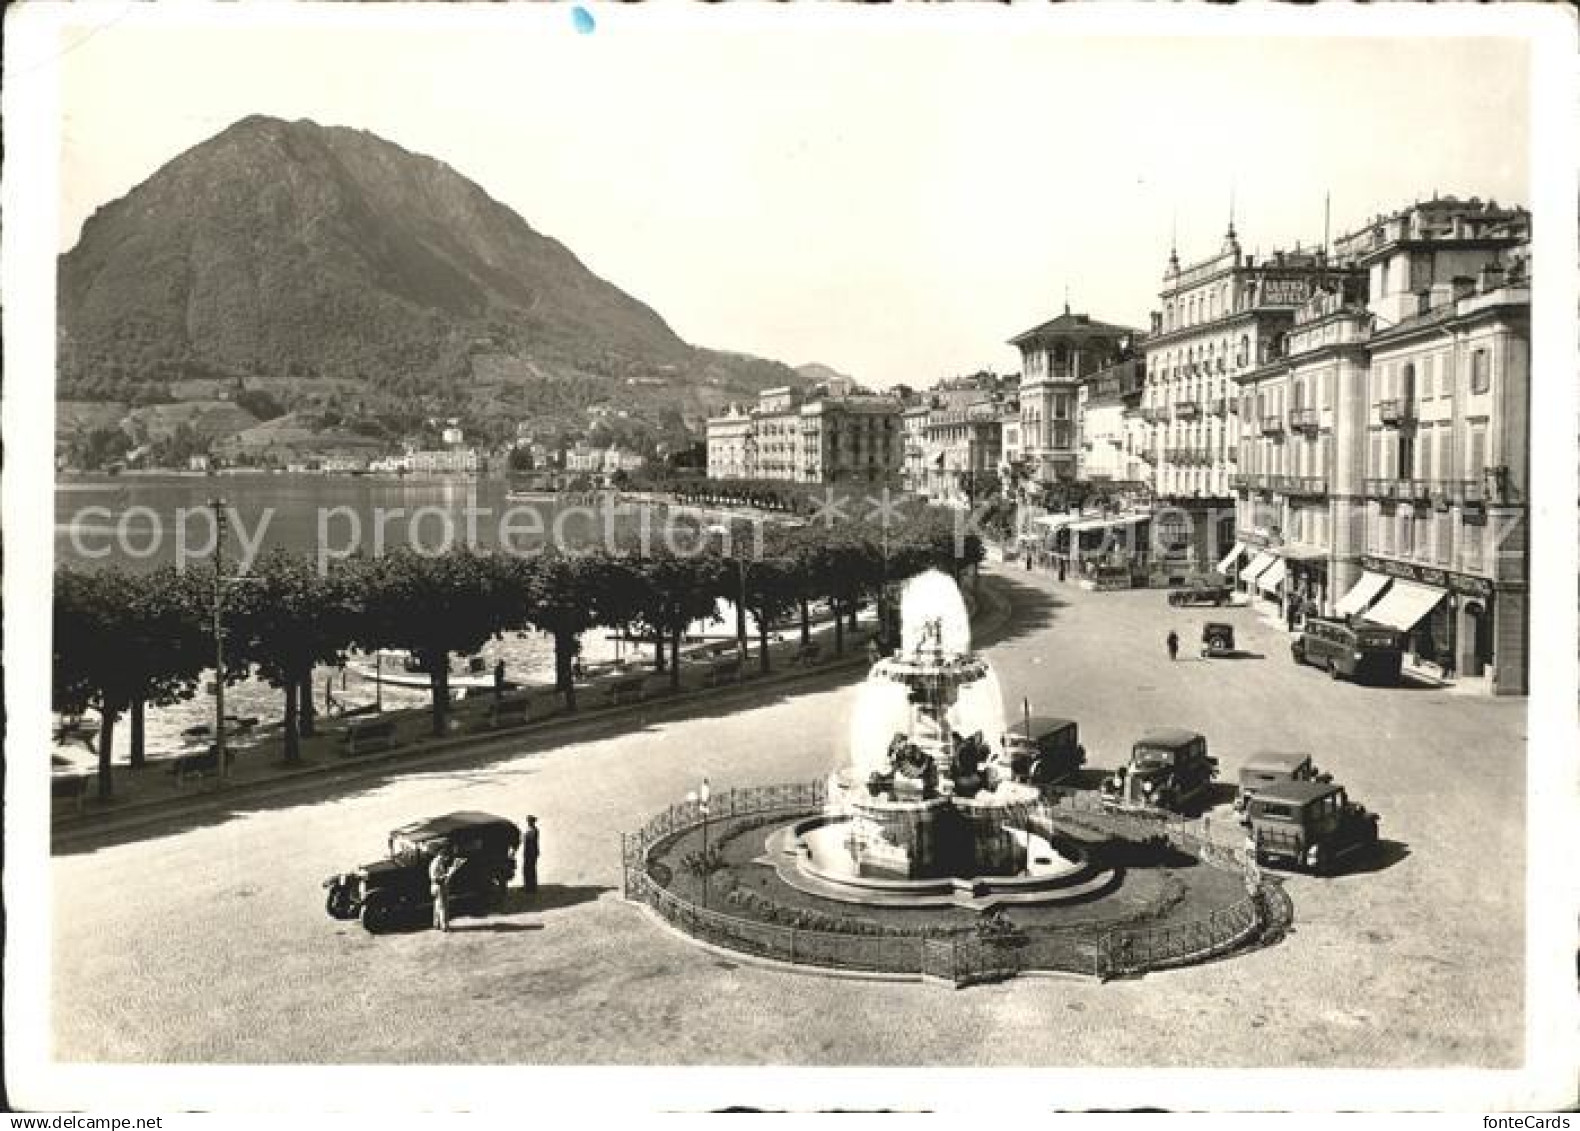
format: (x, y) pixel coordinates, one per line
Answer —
(741, 642)
(839, 626)
(806, 623)
(676, 635)
(306, 712)
(137, 734)
(439, 676)
(564, 649)
(106, 739)
(293, 744)
(855, 605)
(762, 640)
(659, 663)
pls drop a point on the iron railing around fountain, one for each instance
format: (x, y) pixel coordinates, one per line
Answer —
(961, 959)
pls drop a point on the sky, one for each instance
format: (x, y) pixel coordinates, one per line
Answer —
(893, 196)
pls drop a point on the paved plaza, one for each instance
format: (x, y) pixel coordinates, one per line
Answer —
(207, 940)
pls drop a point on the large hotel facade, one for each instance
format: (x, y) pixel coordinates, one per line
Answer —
(1343, 429)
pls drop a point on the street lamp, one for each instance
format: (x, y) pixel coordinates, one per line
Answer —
(701, 797)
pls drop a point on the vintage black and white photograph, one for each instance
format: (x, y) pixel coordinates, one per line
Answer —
(800, 538)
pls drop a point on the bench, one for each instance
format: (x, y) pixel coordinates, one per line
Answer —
(624, 691)
(69, 787)
(199, 765)
(369, 737)
(514, 711)
(808, 654)
(718, 674)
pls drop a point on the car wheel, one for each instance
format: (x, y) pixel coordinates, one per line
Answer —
(339, 904)
(376, 916)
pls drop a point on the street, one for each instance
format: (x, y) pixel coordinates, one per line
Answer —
(209, 943)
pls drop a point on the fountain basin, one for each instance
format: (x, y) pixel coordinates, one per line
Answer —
(811, 856)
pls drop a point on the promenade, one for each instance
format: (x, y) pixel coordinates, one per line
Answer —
(217, 948)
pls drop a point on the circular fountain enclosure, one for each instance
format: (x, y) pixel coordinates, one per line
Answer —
(926, 810)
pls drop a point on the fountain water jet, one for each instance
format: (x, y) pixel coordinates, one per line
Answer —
(927, 812)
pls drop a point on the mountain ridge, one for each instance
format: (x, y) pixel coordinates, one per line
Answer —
(335, 268)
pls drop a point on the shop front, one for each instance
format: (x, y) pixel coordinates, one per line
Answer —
(1306, 583)
(1449, 619)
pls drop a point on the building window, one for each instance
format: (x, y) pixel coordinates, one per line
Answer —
(1480, 371)
(1425, 389)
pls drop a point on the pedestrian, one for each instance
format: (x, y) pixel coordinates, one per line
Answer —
(440, 871)
(874, 653)
(329, 694)
(499, 680)
(1061, 569)
(1173, 642)
(529, 855)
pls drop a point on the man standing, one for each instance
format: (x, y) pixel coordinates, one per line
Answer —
(1173, 642)
(529, 855)
(440, 871)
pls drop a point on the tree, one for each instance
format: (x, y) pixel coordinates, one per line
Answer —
(431, 607)
(120, 641)
(565, 595)
(676, 590)
(772, 586)
(286, 619)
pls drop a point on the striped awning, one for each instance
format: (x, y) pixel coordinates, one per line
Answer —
(1231, 557)
(1406, 603)
(1272, 577)
(1262, 561)
(1365, 591)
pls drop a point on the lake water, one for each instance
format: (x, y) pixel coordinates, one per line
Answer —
(140, 522)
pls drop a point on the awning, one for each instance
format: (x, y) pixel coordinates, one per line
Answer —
(1052, 522)
(1090, 524)
(1270, 578)
(1263, 560)
(1406, 603)
(1231, 557)
(1366, 590)
(1296, 553)
(1128, 519)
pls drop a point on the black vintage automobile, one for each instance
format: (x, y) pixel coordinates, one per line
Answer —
(1044, 750)
(395, 891)
(1307, 824)
(1169, 769)
(1217, 639)
(1202, 593)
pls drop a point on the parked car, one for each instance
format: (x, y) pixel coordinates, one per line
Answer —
(395, 890)
(1202, 593)
(1307, 824)
(1043, 750)
(1169, 768)
(1217, 639)
(1269, 767)
(1361, 650)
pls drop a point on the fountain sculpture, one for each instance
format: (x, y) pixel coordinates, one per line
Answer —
(928, 812)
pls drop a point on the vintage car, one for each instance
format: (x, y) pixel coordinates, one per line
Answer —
(1270, 767)
(1307, 824)
(1358, 650)
(1043, 750)
(1169, 768)
(1202, 593)
(395, 890)
(1217, 639)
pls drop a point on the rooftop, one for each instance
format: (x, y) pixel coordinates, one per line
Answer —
(1069, 325)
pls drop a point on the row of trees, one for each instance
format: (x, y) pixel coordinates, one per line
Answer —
(124, 642)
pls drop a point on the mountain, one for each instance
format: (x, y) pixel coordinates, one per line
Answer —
(335, 270)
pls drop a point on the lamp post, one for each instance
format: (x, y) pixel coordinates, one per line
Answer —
(701, 798)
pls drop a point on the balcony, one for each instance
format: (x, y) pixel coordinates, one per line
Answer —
(1306, 486)
(1239, 482)
(1457, 492)
(1382, 489)
(1271, 426)
(1304, 420)
(1395, 411)
(1187, 410)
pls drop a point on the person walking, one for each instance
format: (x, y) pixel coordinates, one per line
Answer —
(1173, 642)
(529, 855)
(499, 680)
(440, 871)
